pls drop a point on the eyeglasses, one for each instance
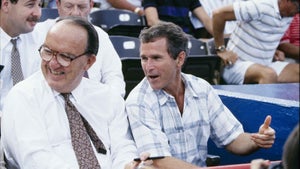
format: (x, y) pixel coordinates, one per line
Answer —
(62, 58)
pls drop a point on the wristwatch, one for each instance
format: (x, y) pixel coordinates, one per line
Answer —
(221, 48)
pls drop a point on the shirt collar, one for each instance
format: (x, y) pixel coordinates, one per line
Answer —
(5, 39)
(163, 96)
(78, 92)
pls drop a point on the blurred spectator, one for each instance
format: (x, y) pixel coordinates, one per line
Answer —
(176, 11)
(131, 5)
(251, 47)
(17, 21)
(209, 6)
(107, 68)
(290, 42)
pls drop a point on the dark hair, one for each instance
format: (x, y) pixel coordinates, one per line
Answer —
(92, 41)
(12, 1)
(290, 157)
(177, 40)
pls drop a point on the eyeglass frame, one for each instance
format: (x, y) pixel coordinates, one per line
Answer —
(65, 55)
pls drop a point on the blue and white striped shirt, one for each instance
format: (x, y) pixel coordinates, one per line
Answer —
(259, 30)
(159, 128)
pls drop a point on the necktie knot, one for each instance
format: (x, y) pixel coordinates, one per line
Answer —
(14, 41)
(66, 96)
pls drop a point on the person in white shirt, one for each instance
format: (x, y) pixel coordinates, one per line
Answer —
(18, 19)
(108, 67)
(36, 132)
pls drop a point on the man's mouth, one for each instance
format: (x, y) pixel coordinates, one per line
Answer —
(57, 72)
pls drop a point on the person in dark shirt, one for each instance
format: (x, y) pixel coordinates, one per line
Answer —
(176, 11)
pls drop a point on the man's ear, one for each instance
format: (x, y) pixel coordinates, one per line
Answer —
(91, 4)
(181, 58)
(91, 60)
(4, 5)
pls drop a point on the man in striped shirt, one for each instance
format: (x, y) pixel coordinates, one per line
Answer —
(250, 50)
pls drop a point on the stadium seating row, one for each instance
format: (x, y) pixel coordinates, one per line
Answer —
(114, 21)
(124, 27)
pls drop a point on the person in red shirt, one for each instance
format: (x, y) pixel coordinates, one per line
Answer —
(289, 46)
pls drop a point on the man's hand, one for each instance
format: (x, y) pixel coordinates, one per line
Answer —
(279, 56)
(143, 164)
(228, 57)
(265, 137)
(259, 164)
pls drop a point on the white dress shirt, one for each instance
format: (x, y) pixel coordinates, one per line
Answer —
(29, 57)
(36, 133)
(108, 67)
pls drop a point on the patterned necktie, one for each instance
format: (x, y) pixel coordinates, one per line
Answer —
(16, 69)
(80, 132)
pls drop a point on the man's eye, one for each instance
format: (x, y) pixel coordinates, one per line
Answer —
(68, 6)
(30, 5)
(82, 8)
(65, 56)
(156, 58)
(48, 52)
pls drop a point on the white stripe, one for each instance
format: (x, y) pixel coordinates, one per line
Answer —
(282, 102)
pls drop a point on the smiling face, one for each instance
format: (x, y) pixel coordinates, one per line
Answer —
(64, 79)
(161, 70)
(21, 17)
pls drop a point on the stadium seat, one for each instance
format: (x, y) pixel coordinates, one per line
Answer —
(118, 22)
(128, 50)
(48, 13)
(197, 47)
(126, 46)
(203, 66)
